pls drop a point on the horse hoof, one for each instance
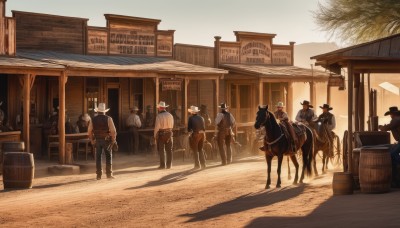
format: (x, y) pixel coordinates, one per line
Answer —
(301, 182)
(278, 186)
(295, 182)
(267, 187)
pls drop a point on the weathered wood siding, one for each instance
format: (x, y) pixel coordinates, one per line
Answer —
(197, 55)
(74, 98)
(48, 32)
(125, 100)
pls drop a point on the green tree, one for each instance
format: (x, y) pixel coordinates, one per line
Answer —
(357, 21)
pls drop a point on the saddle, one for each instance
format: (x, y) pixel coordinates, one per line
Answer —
(299, 130)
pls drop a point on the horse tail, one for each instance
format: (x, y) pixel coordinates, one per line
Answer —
(308, 152)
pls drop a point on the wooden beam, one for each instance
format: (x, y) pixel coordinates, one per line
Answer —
(260, 92)
(61, 116)
(216, 98)
(289, 100)
(157, 95)
(185, 107)
(313, 95)
(350, 105)
(26, 109)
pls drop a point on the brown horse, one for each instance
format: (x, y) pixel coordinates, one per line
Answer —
(277, 144)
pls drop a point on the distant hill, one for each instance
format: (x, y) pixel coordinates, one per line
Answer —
(303, 52)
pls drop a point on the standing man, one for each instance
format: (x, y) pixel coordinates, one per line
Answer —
(163, 135)
(306, 115)
(197, 137)
(225, 122)
(329, 120)
(284, 119)
(133, 123)
(102, 135)
(394, 127)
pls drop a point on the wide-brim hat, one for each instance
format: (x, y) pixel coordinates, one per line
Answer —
(305, 102)
(194, 109)
(101, 108)
(162, 104)
(392, 110)
(326, 106)
(280, 104)
(223, 106)
(135, 108)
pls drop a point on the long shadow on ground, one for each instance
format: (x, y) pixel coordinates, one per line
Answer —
(246, 202)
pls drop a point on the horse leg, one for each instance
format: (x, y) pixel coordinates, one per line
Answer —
(288, 167)
(296, 165)
(324, 159)
(280, 159)
(269, 161)
(315, 162)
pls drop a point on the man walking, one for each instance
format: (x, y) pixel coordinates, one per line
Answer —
(225, 122)
(103, 135)
(133, 123)
(163, 135)
(196, 126)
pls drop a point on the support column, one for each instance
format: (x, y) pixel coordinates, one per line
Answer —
(216, 97)
(26, 110)
(260, 92)
(61, 116)
(313, 96)
(157, 95)
(350, 100)
(185, 107)
(328, 94)
(289, 100)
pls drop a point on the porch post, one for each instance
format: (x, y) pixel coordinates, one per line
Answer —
(350, 105)
(216, 97)
(260, 92)
(61, 117)
(289, 100)
(157, 94)
(313, 97)
(26, 110)
(185, 105)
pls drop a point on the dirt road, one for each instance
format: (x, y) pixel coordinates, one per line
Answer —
(229, 196)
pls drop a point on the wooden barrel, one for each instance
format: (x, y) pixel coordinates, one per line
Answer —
(18, 170)
(13, 147)
(342, 183)
(375, 170)
(355, 168)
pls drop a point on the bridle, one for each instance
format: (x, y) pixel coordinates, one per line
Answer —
(267, 117)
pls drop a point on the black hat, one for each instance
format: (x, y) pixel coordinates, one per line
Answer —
(393, 110)
(307, 103)
(223, 106)
(326, 106)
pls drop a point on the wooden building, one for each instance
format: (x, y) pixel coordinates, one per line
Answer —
(260, 72)
(70, 67)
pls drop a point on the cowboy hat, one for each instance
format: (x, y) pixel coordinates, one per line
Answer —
(392, 110)
(280, 104)
(162, 105)
(305, 102)
(223, 106)
(101, 108)
(194, 109)
(135, 108)
(86, 117)
(326, 106)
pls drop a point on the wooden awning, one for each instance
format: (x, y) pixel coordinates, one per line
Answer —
(16, 65)
(98, 65)
(283, 73)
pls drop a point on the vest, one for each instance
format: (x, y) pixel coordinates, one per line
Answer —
(328, 116)
(307, 115)
(225, 122)
(100, 126)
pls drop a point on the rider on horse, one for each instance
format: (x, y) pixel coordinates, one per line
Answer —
(306, 115)
(328, 119)
(284, 119)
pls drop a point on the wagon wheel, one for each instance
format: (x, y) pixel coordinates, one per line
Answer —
(345, 152)
(337, 158)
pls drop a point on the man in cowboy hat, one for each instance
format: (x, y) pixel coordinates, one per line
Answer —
(133, 123)
(284, 119)
(197, 137)
(394, 127)
(102, 134)
(225, 122)
(163, 135)
(329, 120)
(306, 115)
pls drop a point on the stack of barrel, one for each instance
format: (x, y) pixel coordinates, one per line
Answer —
(18, 165)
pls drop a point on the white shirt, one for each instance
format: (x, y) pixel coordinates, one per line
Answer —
(111, 127)
(164, 120)
(133, 120)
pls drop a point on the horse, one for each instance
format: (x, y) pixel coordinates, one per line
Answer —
(277, 144)
(322, 143)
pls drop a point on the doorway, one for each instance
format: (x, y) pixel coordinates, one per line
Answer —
(113, 105)
(242, 102)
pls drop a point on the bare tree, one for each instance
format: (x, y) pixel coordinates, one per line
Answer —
(357, 21)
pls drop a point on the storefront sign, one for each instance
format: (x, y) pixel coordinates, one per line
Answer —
(164, 45)
(97, 41)
(255, 52)
(171, 85)
(132, 40)
(336, 81)
(229, 54)
(281, 57)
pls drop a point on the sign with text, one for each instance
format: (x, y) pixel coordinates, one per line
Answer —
(171, 84)
(132, 40)
(229, 54)
(282, 56)
(97, 41)
(164, 45)
(255, 52)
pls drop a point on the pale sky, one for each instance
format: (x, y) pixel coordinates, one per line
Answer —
(197, 21)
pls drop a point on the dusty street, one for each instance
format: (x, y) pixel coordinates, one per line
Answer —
(230, 196)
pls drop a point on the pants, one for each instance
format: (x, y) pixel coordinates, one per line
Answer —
(164, 146)
(226, 157)
(133, 140)
(196, 144)
(101, 145)
(394, 154)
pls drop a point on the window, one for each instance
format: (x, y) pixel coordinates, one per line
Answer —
(137, 92)
(92, 94)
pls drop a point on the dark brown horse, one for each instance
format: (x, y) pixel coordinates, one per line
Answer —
(277, 144)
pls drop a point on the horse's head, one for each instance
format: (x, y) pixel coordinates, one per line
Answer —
(262, 116)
